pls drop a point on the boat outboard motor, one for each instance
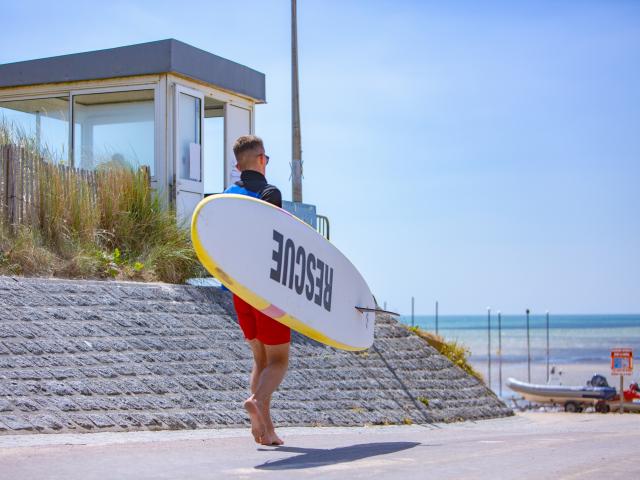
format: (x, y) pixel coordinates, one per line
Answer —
(598, 381)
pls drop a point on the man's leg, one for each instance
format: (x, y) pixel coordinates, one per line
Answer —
(259, 362)
(270, 437)
(258, 424)
(277, 362)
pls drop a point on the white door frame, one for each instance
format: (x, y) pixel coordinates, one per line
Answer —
(183, 184)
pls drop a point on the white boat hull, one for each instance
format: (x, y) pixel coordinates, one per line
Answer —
(560, 393)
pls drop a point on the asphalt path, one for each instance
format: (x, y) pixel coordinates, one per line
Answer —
(527, 446)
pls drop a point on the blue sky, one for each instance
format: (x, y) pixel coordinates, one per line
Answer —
(476, 153)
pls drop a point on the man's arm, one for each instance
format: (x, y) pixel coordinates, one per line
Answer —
(272, 195)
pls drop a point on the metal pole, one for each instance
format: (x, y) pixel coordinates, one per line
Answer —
(547, 346)
(489, 345)
(296, 163)
(412, 305)
(528, 351)
(436, 317)
(621, 393)
(500, 353)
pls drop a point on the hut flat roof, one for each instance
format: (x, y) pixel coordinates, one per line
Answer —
(163, 56)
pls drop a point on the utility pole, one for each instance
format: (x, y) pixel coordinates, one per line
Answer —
(296, 150)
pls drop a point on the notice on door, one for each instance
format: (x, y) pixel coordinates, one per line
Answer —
(194, 161)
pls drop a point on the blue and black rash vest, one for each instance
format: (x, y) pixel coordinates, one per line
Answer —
(255, 185)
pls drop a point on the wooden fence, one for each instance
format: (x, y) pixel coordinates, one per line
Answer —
(22, 176)
(19, 186)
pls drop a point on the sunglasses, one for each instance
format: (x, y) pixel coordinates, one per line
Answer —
(265, 156)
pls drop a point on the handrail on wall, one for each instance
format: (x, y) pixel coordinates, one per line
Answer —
(323, 226)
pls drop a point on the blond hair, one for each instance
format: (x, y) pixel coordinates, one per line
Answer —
(246, 148)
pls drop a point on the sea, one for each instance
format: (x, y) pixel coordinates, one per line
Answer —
(575, 342)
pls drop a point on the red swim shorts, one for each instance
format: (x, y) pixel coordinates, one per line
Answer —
(256, 324)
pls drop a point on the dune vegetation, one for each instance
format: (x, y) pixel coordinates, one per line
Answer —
(106, 224)
(455, 351)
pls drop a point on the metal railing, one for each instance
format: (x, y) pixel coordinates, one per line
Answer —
(323, 226)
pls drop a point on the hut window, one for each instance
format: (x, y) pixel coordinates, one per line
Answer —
(42, 122)
(189, 140)
(115, 128)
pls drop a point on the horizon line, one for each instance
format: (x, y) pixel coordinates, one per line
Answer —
(494, 313)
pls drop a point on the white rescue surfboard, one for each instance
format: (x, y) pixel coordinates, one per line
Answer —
(284, 268)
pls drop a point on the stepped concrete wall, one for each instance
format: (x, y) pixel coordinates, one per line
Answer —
(83, 356)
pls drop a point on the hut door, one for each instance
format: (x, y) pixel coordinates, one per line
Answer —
(189, 118)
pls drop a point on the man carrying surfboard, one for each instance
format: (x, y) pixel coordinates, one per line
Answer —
(269, 340)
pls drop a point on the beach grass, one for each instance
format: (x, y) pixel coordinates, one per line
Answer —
(455, 351)
(112, 225)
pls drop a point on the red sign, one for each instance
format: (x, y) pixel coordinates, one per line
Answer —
(621, 361)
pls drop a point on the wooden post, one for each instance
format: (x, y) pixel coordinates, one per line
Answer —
(19, 187)
(28, 212)
(147, 174)
(43, 173)
(11, 188)
(36, 190)
(16, 186)
(4, 164)
(21, 195)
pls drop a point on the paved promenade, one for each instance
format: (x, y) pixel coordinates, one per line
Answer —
(527, 446)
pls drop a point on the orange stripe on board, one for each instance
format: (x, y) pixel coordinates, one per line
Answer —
(273, 311)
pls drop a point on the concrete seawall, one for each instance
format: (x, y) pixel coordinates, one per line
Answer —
(105, 356)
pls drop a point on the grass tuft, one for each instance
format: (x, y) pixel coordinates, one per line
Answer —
(455, 351)
(109, 225)
(22, 253)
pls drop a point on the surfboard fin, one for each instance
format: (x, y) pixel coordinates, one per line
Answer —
(376, 310)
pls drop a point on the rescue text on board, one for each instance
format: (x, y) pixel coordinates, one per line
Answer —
(302, 271)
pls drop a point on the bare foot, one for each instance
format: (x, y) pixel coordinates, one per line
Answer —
(270, 438)
(258, 429)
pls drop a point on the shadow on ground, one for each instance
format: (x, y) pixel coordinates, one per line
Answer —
(318, 457)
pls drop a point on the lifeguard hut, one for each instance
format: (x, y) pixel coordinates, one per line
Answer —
(167, 105)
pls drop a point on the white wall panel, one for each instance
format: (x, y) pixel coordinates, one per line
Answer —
(237, 123)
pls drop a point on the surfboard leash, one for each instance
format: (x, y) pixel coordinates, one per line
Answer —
(376, 310)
